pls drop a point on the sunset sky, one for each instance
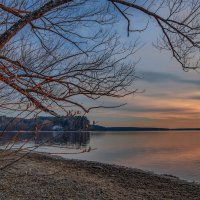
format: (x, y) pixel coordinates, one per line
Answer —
(167, 96)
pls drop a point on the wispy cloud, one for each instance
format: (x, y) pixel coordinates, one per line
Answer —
(158, 77)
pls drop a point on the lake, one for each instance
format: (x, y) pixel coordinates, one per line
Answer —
(168, 152)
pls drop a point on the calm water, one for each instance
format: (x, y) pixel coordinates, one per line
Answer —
(174, 152)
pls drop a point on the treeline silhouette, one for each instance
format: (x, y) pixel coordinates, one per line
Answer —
(68, 123)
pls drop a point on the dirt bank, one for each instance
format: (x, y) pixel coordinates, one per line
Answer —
(44, 177)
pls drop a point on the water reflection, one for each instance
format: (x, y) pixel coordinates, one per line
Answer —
(70, 139)
(172, 152)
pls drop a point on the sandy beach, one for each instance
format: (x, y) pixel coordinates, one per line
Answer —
(46, 177)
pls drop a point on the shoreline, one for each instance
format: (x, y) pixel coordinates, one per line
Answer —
(53, 177)
(122, 167)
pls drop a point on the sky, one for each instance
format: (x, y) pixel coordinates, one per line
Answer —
(167, 95)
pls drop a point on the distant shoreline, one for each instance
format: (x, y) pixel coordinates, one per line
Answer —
(103, 128)
(42, 176)
(112, 129)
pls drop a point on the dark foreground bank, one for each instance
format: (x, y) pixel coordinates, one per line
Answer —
(43, 177)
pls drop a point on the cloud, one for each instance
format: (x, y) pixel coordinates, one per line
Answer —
(195, 97)
(147, 109)
(158, 77)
